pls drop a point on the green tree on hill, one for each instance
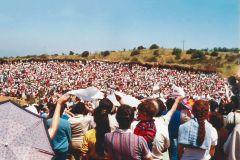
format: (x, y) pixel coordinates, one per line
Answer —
(140, 47)
(176, 51)
(71, 53)
(154, 46)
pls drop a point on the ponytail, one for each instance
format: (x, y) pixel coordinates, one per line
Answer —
(102, 127)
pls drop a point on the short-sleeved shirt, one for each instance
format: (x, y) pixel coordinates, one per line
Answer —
(88, 145)
(124, 145)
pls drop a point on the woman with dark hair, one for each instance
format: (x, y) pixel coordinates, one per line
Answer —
(122, 143)
(216, 119)
(62, 137)
(93, 141)
(197, 136)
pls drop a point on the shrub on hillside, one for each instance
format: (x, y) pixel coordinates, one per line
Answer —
(156, 53)
(214, 54)
(154, 46)
(231, 58)
(198, 54)
(226, 56)
(178, 56)
(71, 53)
(219, 58)
(85, 54)
(136, 52)
(140, 47)
(190, 51)
(176, 51)
(134, 59)
(105, 53)
(151, 59)
(207, 53)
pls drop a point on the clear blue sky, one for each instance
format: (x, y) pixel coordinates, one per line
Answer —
(27, 26)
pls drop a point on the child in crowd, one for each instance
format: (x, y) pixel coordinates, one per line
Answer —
(146, 127)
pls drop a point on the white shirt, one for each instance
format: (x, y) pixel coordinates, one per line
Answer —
(232, 146)
(201, 154)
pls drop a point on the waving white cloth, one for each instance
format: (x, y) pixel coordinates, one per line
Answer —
(178, 89)
(87, 94)
(130, 100)
(113, 99)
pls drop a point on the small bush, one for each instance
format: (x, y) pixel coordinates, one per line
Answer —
(176, 51)
(198, 54)
(214, 54)
(140, 47)
(127, 58)
(229, 67)
(178, 56)
(190, 51)
(134, 59)
(85, 54)
(71, 53)
(231, 58)
(105, 53)
(151, 59)
(218, 58)
(135, 52)
(207, 53)
(156, 53)
(154, 46)
(226, 56)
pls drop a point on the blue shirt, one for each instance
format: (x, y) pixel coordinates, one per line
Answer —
(62, 138)
(173, 124)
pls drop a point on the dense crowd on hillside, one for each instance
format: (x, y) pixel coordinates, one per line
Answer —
(161, 126)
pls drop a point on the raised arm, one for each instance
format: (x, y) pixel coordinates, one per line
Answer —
(56, 116)
(174, 107)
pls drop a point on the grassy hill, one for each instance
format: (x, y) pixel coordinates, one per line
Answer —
(225, 62)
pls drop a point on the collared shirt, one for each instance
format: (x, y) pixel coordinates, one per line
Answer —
(122, 144)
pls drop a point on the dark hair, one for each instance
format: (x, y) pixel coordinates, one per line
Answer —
(229, 108)
(107, 104)
(161, 108)
(213, 105)
(52, 108)
(170, 103)
(79, 108)
(200, 111)
(102, 127)
(235, 100)
(125, 116)
(149, 107)
(216, 119)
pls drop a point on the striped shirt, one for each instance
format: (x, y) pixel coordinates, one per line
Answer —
(124, 145)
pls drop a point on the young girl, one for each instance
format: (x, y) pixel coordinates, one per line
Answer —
(197, 136)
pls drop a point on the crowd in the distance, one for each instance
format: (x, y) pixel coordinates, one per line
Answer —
(157, 128)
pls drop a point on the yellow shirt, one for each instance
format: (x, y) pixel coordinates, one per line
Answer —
(88, 145)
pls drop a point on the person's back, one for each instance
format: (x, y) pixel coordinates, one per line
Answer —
(63, 136)
(122, 143)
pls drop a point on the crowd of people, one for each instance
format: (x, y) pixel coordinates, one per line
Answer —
(161, 127)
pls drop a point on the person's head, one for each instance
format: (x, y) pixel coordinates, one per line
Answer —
(161, 107)
(213, 105)
(200, 111)
(230, 107)
(79, 108)
(147, 109)
(102, 127)
(235, 100)
(125, 116)
(216, 119)
(107, 104)
(170, 103)
(52, 108)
